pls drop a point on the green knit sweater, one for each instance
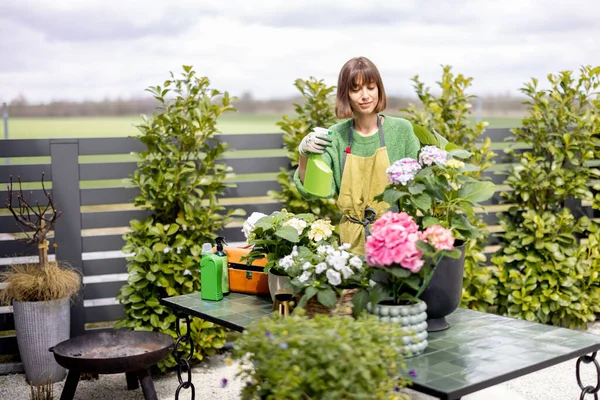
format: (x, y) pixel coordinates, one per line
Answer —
(400, 142)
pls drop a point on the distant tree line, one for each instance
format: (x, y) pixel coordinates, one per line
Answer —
(246, 103)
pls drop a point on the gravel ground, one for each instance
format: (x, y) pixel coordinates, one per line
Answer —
(554, 383)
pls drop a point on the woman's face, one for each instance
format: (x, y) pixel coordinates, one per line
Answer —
(364, 98)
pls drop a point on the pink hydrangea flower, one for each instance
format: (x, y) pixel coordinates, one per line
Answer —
(439, 237)
(403, 171)
(393, 241)
(433, 154)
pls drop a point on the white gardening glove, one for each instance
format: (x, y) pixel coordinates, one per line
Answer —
(315, 142)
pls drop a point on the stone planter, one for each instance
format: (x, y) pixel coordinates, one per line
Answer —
(41, 325)
(411, 318)
(444, 291)
(276, 282)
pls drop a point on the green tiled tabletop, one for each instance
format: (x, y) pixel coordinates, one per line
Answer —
(478, 351)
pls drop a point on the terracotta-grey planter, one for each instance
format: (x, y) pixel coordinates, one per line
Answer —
(41, 325)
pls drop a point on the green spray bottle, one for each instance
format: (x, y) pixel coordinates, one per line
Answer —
(318, 176)
(221, 253)
(211, 271)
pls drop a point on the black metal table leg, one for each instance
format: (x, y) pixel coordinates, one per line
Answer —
(132, 380)
(147, 384)
(183, 364)
(585, 390)
(70, 387)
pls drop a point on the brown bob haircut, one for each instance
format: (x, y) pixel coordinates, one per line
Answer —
(355, 73)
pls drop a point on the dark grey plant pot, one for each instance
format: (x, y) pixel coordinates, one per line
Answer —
(444, 291)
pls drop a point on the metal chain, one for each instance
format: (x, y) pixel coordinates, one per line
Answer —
(183, 364)
(593, 390)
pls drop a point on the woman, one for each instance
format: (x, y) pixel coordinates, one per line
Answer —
(359, 150)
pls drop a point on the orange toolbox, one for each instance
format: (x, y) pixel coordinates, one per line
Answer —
(244, 278)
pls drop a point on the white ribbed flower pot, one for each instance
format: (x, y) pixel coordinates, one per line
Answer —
(41, 325)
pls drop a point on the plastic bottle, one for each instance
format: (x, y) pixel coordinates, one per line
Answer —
(211, 271)
(221, 253)
(318, 176)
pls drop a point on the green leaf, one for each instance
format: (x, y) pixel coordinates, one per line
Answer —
(327, 298)
(416, 188)
(152, 302)
(462, 154)
(288, 233)
(477, 191)
(398, 272)
(422, 201)
(391, 196)
(430, 221)
(360, 300)
(172, 229)
(158, 247)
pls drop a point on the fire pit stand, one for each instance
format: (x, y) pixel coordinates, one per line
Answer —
(122, 351)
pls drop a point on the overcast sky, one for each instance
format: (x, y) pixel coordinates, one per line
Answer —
(92, 49)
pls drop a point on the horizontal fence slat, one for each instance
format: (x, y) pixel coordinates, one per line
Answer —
(17, 248)
(117, 145)
(103, 313)
(30, 196)
(7, 322)
(497, 134)
(8, 345)
(105, 266)
(110, 195)
(265, 208)
(251, 189)
(245, 141)
(98, 171)
(258, 165)
(28, 173)
(102, 243)
(25, 148)
(102, 290)
(111, 219)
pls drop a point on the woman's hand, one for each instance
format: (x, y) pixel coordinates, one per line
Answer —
(314, 143)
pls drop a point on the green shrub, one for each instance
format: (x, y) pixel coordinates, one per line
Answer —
(317, 111)
(321, 358)
(179, 178)
(544, 274)
(447, 114)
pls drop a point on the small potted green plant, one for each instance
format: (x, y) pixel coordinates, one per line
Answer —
(323, 357)
(274, 237)
(329, 279)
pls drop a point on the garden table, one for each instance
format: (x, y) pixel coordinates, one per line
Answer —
(478, 351)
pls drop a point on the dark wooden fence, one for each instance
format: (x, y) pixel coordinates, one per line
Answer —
(95, 216)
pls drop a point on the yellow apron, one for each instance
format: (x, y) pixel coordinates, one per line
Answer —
(362, 179)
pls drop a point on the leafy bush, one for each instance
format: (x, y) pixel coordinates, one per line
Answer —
(448, 115)
(321, 358)
(541, 264)
(540, 274)
(317, 111)
(179, 178)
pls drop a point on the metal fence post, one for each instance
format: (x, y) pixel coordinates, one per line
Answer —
(64, 155)
(5, 117)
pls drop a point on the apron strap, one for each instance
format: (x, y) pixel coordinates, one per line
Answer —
(370, 213)
(369, 218)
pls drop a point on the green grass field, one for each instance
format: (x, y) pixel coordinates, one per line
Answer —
(86, 127)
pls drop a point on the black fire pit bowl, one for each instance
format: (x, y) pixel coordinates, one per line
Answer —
(113, 352)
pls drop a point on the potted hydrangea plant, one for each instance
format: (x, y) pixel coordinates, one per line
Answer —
(406, 258)
(437, 189)
(328, 280)
(274, 236)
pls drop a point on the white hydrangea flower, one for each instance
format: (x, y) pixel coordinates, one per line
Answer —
(297, 224)
(346, 272)
(322, 249)
(166, 250)
(320, 230)
(372, 283)
(286, 262)
(356, 262)
(345, 246)
(305, 276)
(306, 266)
(320, 267)
(333, 277)
(248, 226)
(336, 260)
(295, 251)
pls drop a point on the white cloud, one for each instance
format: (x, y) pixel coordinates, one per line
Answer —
(74, 49)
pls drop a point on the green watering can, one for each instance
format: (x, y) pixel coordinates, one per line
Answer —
(318, 176)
